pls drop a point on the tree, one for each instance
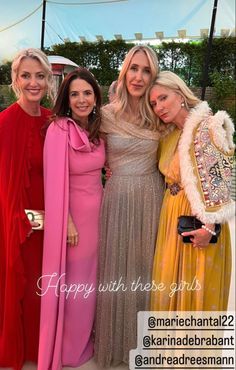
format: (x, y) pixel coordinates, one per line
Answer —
(103, 58)
(5, 74)
(187, 59)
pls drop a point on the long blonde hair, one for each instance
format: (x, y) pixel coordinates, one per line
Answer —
(121, 103)
(172, 81)
(35, 54)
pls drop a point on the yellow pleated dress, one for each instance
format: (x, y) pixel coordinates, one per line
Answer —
(186, 278)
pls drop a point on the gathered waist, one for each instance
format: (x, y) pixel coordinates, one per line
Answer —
(134, 169)
(132, 174)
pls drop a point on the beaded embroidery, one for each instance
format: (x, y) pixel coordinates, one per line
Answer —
(214, 168)
(174, 188)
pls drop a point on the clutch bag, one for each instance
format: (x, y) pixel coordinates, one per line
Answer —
(190, 223)
(36, 216)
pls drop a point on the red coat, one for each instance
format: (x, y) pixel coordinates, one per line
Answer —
(21, 187)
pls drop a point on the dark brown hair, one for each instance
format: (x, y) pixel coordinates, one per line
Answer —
(61, 107)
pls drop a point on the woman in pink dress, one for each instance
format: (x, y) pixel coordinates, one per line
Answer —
(74, 155)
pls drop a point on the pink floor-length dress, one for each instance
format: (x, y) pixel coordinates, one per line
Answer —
(67, 317)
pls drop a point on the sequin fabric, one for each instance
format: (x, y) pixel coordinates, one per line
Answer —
(214, 168)
(130, 216)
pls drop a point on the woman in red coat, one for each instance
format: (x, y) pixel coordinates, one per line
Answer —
(21, 187)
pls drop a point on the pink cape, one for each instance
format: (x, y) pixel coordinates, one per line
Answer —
(56, 183)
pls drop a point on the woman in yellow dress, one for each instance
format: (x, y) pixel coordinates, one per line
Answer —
(196, 160)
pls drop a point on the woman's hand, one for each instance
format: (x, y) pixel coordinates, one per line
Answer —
(33, 224)
(200, 237)
(72, 233)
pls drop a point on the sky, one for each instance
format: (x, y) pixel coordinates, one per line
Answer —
(21, 20)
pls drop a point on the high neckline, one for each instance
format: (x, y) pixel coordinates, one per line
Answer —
(27, 111)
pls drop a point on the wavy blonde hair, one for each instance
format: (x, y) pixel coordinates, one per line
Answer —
(122, 103)
(175, 83)
(35, 54)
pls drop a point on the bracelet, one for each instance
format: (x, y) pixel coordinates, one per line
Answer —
(209, 230)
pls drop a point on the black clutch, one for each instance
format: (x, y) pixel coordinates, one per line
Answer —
(190, 223)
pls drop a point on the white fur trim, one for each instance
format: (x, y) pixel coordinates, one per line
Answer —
(222, 129)
(188, 178)
(221, 216)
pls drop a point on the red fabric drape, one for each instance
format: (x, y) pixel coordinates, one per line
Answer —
(21, 147)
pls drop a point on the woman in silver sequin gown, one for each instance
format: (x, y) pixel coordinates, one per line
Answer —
(130, 211)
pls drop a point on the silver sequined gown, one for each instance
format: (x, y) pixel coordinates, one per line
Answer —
(130, 217)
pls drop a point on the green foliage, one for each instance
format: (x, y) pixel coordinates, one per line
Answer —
(224, 85)
(224, 94)
(185, 59)
(46, 102)
(188, 59)
(5, 74)
(103, 58)
(223, 56)
(7, 96)
(1, 102)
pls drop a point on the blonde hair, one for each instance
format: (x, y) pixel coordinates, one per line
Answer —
(122, 96)
(112, 87)
(173, 82)
(35, 54)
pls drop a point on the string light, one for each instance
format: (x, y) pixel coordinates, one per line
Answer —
(54, 31)
(59, 3)
(21, 20)
(90, 3)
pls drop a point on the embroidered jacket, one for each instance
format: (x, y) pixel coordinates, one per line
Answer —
(206, 150)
